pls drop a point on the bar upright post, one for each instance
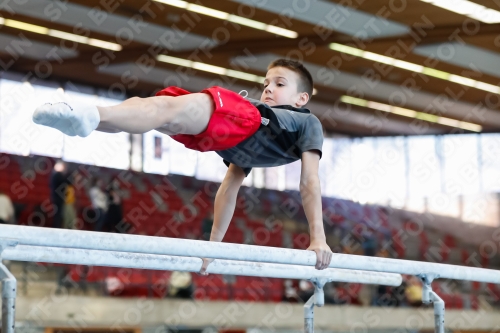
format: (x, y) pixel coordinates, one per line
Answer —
(429, 296)
(318, 299)
(9, 288)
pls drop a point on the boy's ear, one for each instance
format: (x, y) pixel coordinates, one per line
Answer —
(303, 99)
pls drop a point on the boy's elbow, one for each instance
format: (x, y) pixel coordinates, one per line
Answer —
(309, 182)
(309, 178)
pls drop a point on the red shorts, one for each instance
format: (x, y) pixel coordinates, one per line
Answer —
(234, 120)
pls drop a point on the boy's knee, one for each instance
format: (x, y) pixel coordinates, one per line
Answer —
(135, 100)
(168, 109)
(164, 101)
(161, 107)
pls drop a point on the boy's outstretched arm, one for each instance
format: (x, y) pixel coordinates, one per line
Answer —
(310, 191)
(225, 202)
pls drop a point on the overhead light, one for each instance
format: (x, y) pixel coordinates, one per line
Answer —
(59, 34)
(427, 117)
(281, 31)
(250, 23)
(491, 16)
(379, 106)
(104, 45)
(460, 7)
(468, 8)
(208, 11)
(25, 26)
(67, 36)
(402, 111)
(347, 49)
(449, 122)
(461, 80)
(470, 127)
(175, 61)
(436, 73)
(378, 58)
(244, 76)
(408, 66)
(487, 87)
(175, 3)
(411, 113)
(210, 68)
(354, 101)
(196, 8)
(415, 68)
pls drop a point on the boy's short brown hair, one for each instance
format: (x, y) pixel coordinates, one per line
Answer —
(305, 82)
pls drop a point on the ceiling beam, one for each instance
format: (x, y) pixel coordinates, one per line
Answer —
(438, 34)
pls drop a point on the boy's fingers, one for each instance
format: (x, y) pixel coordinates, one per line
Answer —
(323, 259)
(204, 266)
(318, 259)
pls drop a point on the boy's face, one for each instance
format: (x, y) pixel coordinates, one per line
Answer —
(281, 88)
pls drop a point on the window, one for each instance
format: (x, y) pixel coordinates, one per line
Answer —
(461, 167)
(424, 169)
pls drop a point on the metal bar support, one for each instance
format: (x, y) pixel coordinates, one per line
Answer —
(317, 299)
(309, 315)
(429, 296)
(9, 291)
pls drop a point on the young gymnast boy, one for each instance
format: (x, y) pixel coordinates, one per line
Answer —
(246, 133)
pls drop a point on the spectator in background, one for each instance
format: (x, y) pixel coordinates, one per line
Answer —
(7, 213)
(114, 214)
(58, 183)
(383, 294)
(99, 203)
(365, 294)
(290, 292)
(413, 292)
(180, 285)
(306, 290)
(69, 209)
(369, 243)
(334, 293)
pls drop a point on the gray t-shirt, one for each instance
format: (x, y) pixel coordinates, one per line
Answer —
(284, 134)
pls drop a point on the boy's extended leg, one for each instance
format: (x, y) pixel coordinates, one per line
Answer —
(188, 114)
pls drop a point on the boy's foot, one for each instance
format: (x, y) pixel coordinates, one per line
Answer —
(72, 120)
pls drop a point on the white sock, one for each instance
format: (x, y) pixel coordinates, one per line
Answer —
(71, 119)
